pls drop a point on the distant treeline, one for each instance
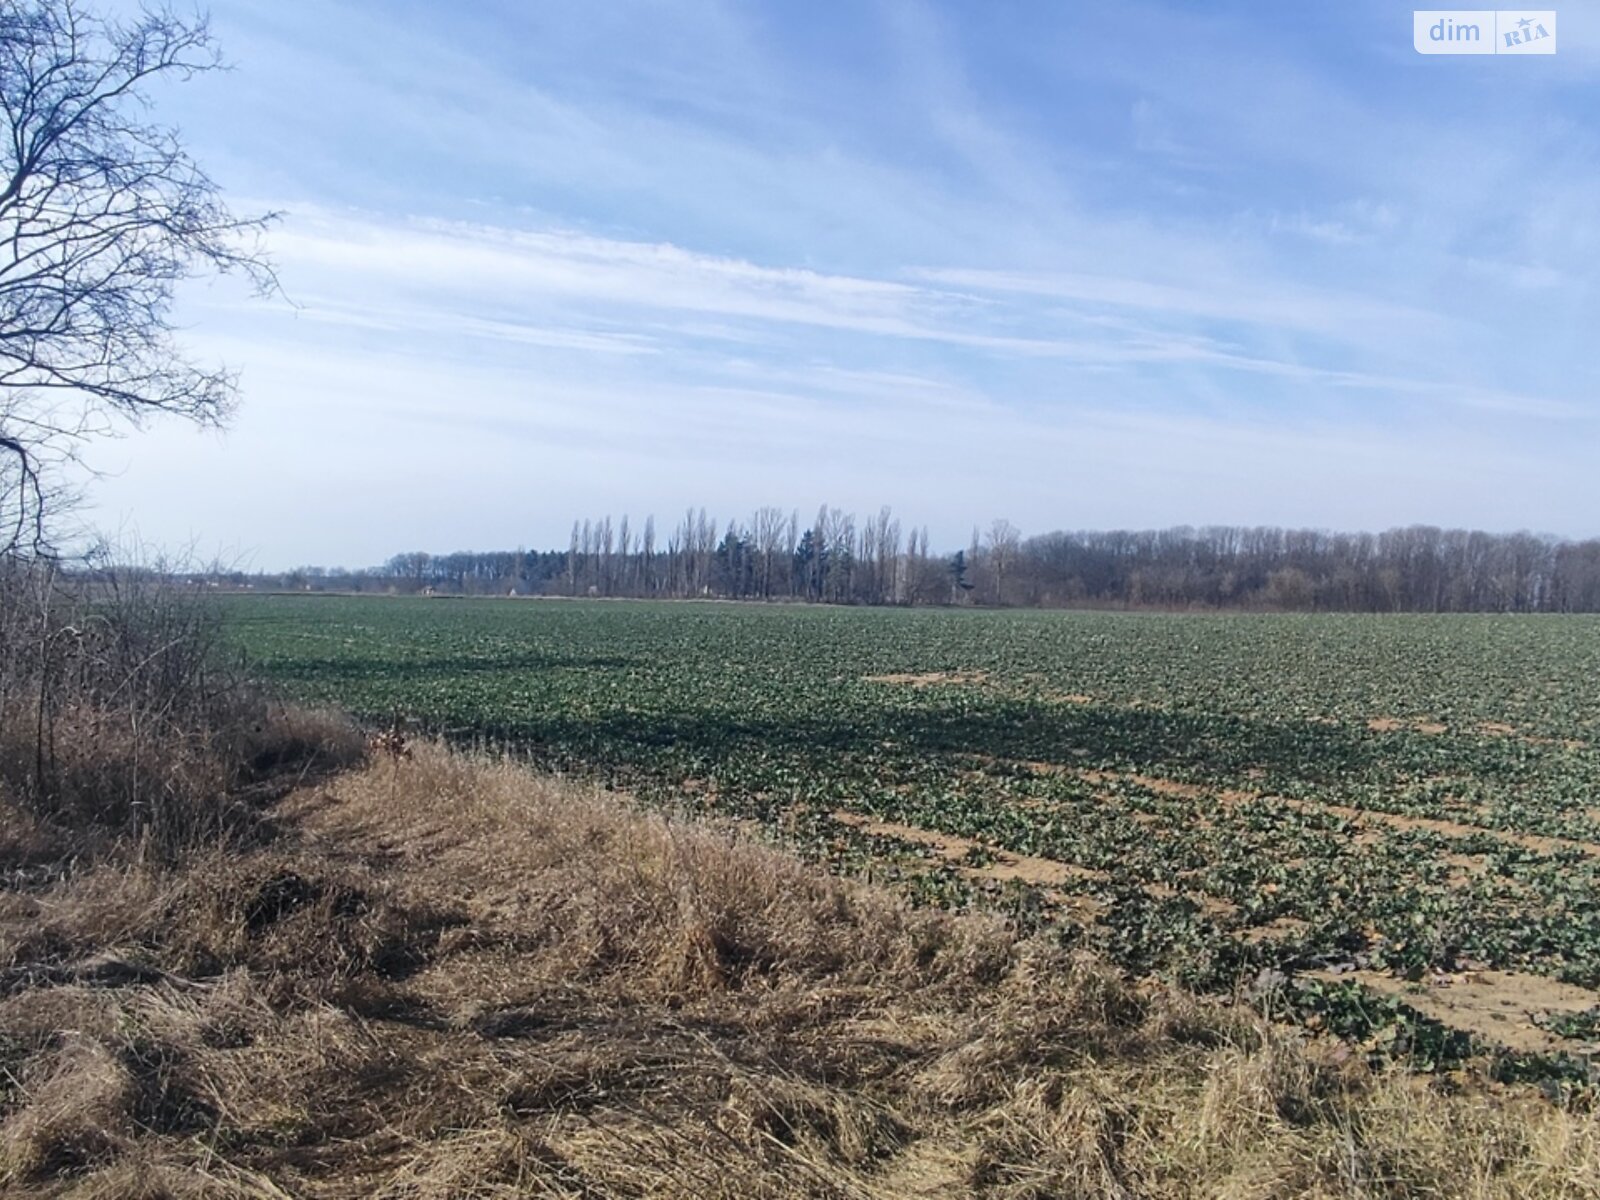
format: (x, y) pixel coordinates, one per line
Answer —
(839, 559)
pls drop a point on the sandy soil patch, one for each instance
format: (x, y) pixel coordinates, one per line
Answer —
(1501, 729)
(1414, 724)
(1464, 867)
(1361, 817)
(930, 679)
(1498, 1006)
(1040, 872)
(1278, 927)
(1045, 873)
(1213, 906)
(1368, 816)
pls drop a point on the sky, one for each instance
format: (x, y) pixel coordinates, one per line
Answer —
(1112, 266)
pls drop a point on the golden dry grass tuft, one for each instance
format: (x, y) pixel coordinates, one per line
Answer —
(449, 977)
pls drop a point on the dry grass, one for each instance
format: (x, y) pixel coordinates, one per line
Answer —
(124, 719)
(451, 978)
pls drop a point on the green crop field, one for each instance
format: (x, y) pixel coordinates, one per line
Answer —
(1208, 797)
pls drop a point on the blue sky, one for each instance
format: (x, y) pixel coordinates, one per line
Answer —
(1077, 266)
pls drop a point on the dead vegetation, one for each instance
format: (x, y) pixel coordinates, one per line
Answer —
(122, 722)
(448, 977)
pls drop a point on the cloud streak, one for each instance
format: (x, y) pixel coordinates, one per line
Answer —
(1219, 265)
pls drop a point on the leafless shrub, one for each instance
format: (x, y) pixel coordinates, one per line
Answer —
(122, 715)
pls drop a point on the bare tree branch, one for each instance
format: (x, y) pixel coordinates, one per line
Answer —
(101, 215)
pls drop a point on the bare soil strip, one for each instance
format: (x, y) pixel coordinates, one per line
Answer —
(930, 679)
(1041, 872)
(1276, 928)
(1413, 724)
(1368, 816)
(1500, 729)
(1228, 797)
(1007, 866)
(1498, 1006)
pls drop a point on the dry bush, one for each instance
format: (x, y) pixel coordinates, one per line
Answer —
(457, 979)
(122, 721)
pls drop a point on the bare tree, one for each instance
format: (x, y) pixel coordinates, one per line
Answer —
(883, 536)
(767, 527)
(647, 556)
(624, 550)
(101, 214)
(1003, 541)
(572, 562)
(791, 545)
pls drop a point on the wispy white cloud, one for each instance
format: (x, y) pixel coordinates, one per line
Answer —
(454, 275)
(441, 323)
(1151, 265)
(1322, 310)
